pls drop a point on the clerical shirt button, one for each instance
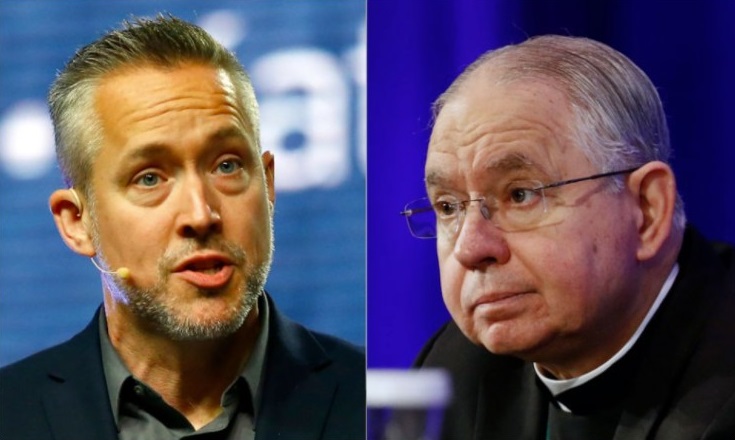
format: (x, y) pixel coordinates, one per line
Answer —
(139, 390)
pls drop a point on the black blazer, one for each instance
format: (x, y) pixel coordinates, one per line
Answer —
(683, 388)
(314, 388)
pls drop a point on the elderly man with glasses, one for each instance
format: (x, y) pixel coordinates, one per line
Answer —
(583, 306)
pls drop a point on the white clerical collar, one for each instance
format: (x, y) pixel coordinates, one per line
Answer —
(559, 386)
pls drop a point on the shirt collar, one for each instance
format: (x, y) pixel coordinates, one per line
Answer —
(116, 372)
(557, 387)
(255, 368)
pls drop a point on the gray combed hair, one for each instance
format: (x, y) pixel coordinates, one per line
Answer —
(165, 42)
(618, 118)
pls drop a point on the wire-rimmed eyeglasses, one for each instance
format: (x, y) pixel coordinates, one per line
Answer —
(520, 205)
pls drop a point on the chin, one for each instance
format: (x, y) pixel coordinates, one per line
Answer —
(201, 319)
(203, 327)
(208, 316)
(506, 338)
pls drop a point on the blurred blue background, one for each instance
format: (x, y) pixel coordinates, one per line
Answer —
(307, 62)
(416, 49)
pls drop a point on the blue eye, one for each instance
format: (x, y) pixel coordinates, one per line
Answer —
(148, 179)
(229, 166)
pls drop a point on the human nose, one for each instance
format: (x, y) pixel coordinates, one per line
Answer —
(199, 214)
(478, 241)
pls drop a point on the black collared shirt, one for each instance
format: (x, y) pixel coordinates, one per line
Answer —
(140, 413)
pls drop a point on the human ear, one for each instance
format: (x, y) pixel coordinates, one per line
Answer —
(71, 221)
(655, 187)
(269, 167)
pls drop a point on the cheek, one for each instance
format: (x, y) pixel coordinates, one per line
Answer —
(578, 269)
(127, 241)
(453, 277)
(248, 224)
(451, 285)
(560, 269)
(450, 274)
(131, 236)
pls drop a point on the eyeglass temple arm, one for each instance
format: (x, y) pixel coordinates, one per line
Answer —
(410, 212)
(582, 179)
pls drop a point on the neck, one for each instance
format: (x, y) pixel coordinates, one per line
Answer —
(191, 376)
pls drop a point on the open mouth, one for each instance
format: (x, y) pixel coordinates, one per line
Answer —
(207, 267)
(206, 272)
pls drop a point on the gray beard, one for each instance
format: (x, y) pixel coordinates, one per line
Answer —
(147, 306)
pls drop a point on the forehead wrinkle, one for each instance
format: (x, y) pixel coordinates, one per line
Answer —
(484, 161)
(484, 134)
(513, 161)
(164, 106)
(159, 149)
(231, 130)
(215, 91)
(523, 144)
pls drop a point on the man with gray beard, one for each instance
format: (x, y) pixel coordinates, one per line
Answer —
(171, 196)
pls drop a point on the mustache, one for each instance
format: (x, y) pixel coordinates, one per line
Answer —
(233, 251)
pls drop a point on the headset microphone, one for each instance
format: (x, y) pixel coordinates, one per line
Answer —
(123, 272)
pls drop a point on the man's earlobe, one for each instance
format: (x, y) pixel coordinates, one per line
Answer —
(71, 221)
(269, 166)
(655, 187)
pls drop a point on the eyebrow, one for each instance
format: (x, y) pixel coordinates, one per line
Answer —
(505, 164)
(227, 133)
(434, 178)
(511, 162)
(148, 151)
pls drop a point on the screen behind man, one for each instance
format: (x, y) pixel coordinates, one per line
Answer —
(582, 304)
(172, 197)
